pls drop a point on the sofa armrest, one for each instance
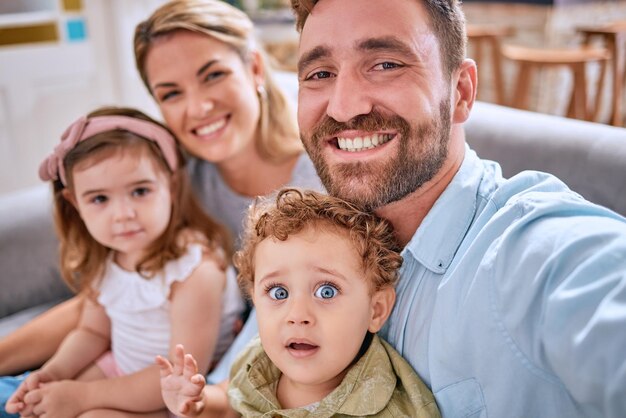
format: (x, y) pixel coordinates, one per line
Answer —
(29, 274)
(589, 157)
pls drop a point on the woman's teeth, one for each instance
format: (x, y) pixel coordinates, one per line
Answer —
(361, 143)
(209, 129)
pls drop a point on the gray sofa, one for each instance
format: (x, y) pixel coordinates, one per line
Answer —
(590, 158)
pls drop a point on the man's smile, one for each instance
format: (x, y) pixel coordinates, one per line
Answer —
(364, 142)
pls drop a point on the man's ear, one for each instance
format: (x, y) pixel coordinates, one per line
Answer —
(382, 304)
(464, 91)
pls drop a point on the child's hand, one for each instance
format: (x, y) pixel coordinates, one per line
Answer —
(59, 399)
(181, 384)
(16, 404)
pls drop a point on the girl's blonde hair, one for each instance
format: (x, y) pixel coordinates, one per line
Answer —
(82, 257)
(293, 210)
(278, 129)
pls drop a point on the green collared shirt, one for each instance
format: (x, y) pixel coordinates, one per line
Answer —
(380, 384)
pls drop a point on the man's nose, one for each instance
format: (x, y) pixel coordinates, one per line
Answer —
(349, 97)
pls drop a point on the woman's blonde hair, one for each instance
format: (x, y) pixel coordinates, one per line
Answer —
(278, 129)
(293, 210)
(82, 257)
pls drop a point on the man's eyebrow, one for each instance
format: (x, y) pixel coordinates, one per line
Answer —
(312, 55)
(386, 43)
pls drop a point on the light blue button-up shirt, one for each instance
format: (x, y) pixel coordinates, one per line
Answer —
(512, 300)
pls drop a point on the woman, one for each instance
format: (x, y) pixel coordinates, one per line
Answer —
(214, 88)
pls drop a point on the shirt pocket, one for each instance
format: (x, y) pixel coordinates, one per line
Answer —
(462, 399)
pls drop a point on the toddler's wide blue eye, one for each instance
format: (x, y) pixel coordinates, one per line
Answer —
(278, 293)
(326, 291)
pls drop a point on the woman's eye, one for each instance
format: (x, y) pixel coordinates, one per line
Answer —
(214, 75)
(169, 95)
(278, 293)
(326, 291)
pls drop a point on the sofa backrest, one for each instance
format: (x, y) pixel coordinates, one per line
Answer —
(589, 157)
(28, 251)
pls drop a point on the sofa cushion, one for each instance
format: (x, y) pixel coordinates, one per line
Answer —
(28, 252)
(589, 157)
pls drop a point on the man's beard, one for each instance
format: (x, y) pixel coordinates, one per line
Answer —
(420, 155)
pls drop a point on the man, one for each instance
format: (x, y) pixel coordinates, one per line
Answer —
(512, 295)
(512, 298)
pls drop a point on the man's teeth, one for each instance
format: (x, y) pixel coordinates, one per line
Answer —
(361, 143)
(209, 129)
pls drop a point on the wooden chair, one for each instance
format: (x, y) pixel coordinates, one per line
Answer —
(614, 38)
(488, 35)
(285, 54)
(531, 59)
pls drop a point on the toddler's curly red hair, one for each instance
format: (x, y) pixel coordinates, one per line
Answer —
(294, 210)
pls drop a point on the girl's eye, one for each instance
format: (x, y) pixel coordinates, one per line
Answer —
(99, 199)
(326, 291)
(278, 293)
(141, 191)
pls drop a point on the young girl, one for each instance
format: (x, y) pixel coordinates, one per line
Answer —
(153, 264)
(321, 273)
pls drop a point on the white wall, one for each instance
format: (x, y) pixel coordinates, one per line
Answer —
(44, 87)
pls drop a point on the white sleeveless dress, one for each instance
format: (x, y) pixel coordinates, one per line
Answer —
(139, 309)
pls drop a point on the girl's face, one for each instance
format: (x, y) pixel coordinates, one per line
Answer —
(206, 93)
(124, 199)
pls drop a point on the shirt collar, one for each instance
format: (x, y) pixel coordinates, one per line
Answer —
(437, 239)
(371, 374)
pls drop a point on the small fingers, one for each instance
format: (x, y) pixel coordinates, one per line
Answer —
(33, 397)
(196, 407)
(179, 359)
(165, 367)
(190, 366)
(18, 395)
(14, 406)
(27, 411)
(32, 381)
(191, 407)
(198, 380)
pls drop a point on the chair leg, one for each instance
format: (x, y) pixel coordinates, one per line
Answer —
(579, 94)
(616, 114)
(496, 59)
(478, 55)
(520, 98)
(597, 100)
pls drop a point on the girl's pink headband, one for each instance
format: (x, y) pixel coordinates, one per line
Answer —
(52, 167)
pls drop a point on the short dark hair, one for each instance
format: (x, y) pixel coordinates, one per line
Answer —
(447, 22)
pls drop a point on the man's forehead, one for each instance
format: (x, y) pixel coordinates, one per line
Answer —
(352, 22)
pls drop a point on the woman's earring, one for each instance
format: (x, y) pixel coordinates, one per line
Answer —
(260, 90)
